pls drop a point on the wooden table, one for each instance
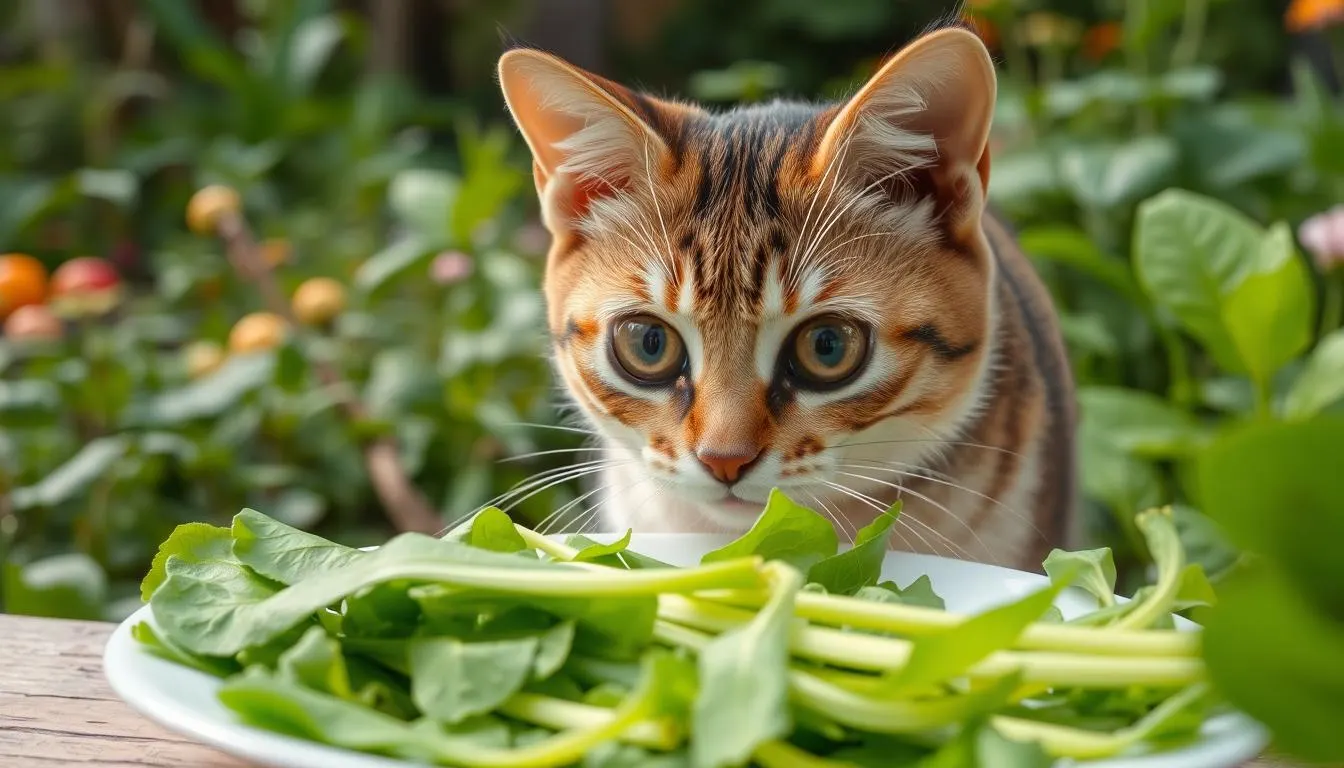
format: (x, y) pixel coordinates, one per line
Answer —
(57, 709)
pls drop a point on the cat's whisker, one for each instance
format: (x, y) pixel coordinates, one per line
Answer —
(877, 505)
(944, 480)
(567, 472)
(855, 239)
(648, 174)
(557, 427)
(927, 500)
(554, 482)
(544, 525)
(858, 197)
(550, 452)
(835, 519)
(836, 159)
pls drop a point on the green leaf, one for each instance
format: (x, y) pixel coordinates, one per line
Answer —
(1195, 591)
(744, 690)
(948, 653)
(71, 586)
(1072, 247)
(1276, 656)
(1109, 175)
(594, 552)
(67, 481)
(1190, 253)
(284, 553)
(493, 529)
(452, 680)
(316, 662)
(205, 607)
(919, 592)
(627, 559)
(993, 748)
(553, 647)
(785, 531)
(1321, 383)
(423, 200)
(1091, 569)
(382, 267)
(144, 634)
(1138, 422)
(189, 542)
(1276, 489)
(860, 566)
(1269, 313)
(211, 396)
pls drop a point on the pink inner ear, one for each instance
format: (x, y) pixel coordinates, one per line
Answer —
(587, 189)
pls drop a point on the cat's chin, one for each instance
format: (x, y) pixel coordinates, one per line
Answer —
(731, 512)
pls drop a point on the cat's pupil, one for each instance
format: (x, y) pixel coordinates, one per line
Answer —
(651, 345)
(828, 346)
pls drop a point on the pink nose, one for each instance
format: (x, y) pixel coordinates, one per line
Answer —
(728, 467)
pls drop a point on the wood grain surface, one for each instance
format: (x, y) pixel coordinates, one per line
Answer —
(56, 708)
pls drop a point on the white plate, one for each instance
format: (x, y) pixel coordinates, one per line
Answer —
(184, 700)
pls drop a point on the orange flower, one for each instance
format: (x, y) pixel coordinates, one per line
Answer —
(1100, 41)
(1307, 15)
(983, 27)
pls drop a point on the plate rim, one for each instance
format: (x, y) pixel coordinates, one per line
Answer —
(1245, 737)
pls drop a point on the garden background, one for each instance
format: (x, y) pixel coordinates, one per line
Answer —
(1163, 161)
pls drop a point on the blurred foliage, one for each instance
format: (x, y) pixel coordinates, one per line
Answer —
(1155, 157)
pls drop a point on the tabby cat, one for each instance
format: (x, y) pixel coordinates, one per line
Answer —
(809, 297)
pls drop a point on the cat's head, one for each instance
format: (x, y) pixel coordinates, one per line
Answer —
(743, 299)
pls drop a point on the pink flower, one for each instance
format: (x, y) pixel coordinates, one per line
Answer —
(532, 238)
(1323, 236)
(450, 267)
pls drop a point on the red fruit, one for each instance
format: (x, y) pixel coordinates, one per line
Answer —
(85, 286)
(33, 322)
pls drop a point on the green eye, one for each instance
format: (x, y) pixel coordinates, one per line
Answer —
(646, 350)
(828, 350)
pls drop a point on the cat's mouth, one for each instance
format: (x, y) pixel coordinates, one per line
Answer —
(732, 511)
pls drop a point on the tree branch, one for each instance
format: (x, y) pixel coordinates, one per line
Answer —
(403, 504)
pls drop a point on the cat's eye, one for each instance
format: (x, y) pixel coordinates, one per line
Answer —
(827, 351)
(646, 350)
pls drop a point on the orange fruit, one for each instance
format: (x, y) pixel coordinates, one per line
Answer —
(203, 358)
(85, 286)
(209, 205)
(23, 281)
(257, 331)
(319, 301)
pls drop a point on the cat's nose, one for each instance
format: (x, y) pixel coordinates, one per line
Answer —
(728, 466)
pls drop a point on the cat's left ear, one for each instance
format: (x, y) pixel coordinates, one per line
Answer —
(927, 109)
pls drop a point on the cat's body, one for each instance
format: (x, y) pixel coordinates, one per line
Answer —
(805, 297)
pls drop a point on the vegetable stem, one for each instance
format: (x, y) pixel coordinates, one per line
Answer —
(1164, 544)
(561, 715)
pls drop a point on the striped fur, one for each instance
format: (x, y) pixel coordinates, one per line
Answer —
(734, 228)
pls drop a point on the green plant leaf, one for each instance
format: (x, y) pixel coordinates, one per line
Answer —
(192, 543)
(452, 680)
(595, 551)
(316, 662)
(1091, 569)
(1070, 246)
(626, 559)
(918, 592)
(553, 647)
(1276, 657)
(67, 481)
(144, 634)
(1138, 422)
(1190, 252)
(785, 531)
(211, 396)
(391, 262)
(493, 529)
(423, 200)
(938, 657)
(1269, 313)
(1106, 176)
(284, 553)
(860, 566)
(744, 689)
(1276, 490)
(1321, 383)
(71, 586)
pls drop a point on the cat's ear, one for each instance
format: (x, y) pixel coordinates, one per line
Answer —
(929, 110)
(589, 136)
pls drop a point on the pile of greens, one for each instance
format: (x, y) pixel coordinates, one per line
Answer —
(501, 647)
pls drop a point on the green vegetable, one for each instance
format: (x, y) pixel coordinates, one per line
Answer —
(508, 649)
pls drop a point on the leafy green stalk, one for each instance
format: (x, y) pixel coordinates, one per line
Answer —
(1064, 741)
(915, 620)
(871, 653)
(1164, 544)
(188, 606)
(561, 714)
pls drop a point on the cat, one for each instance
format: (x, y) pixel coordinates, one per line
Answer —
(806, 297)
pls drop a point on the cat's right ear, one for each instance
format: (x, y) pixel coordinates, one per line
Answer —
(589, 137)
